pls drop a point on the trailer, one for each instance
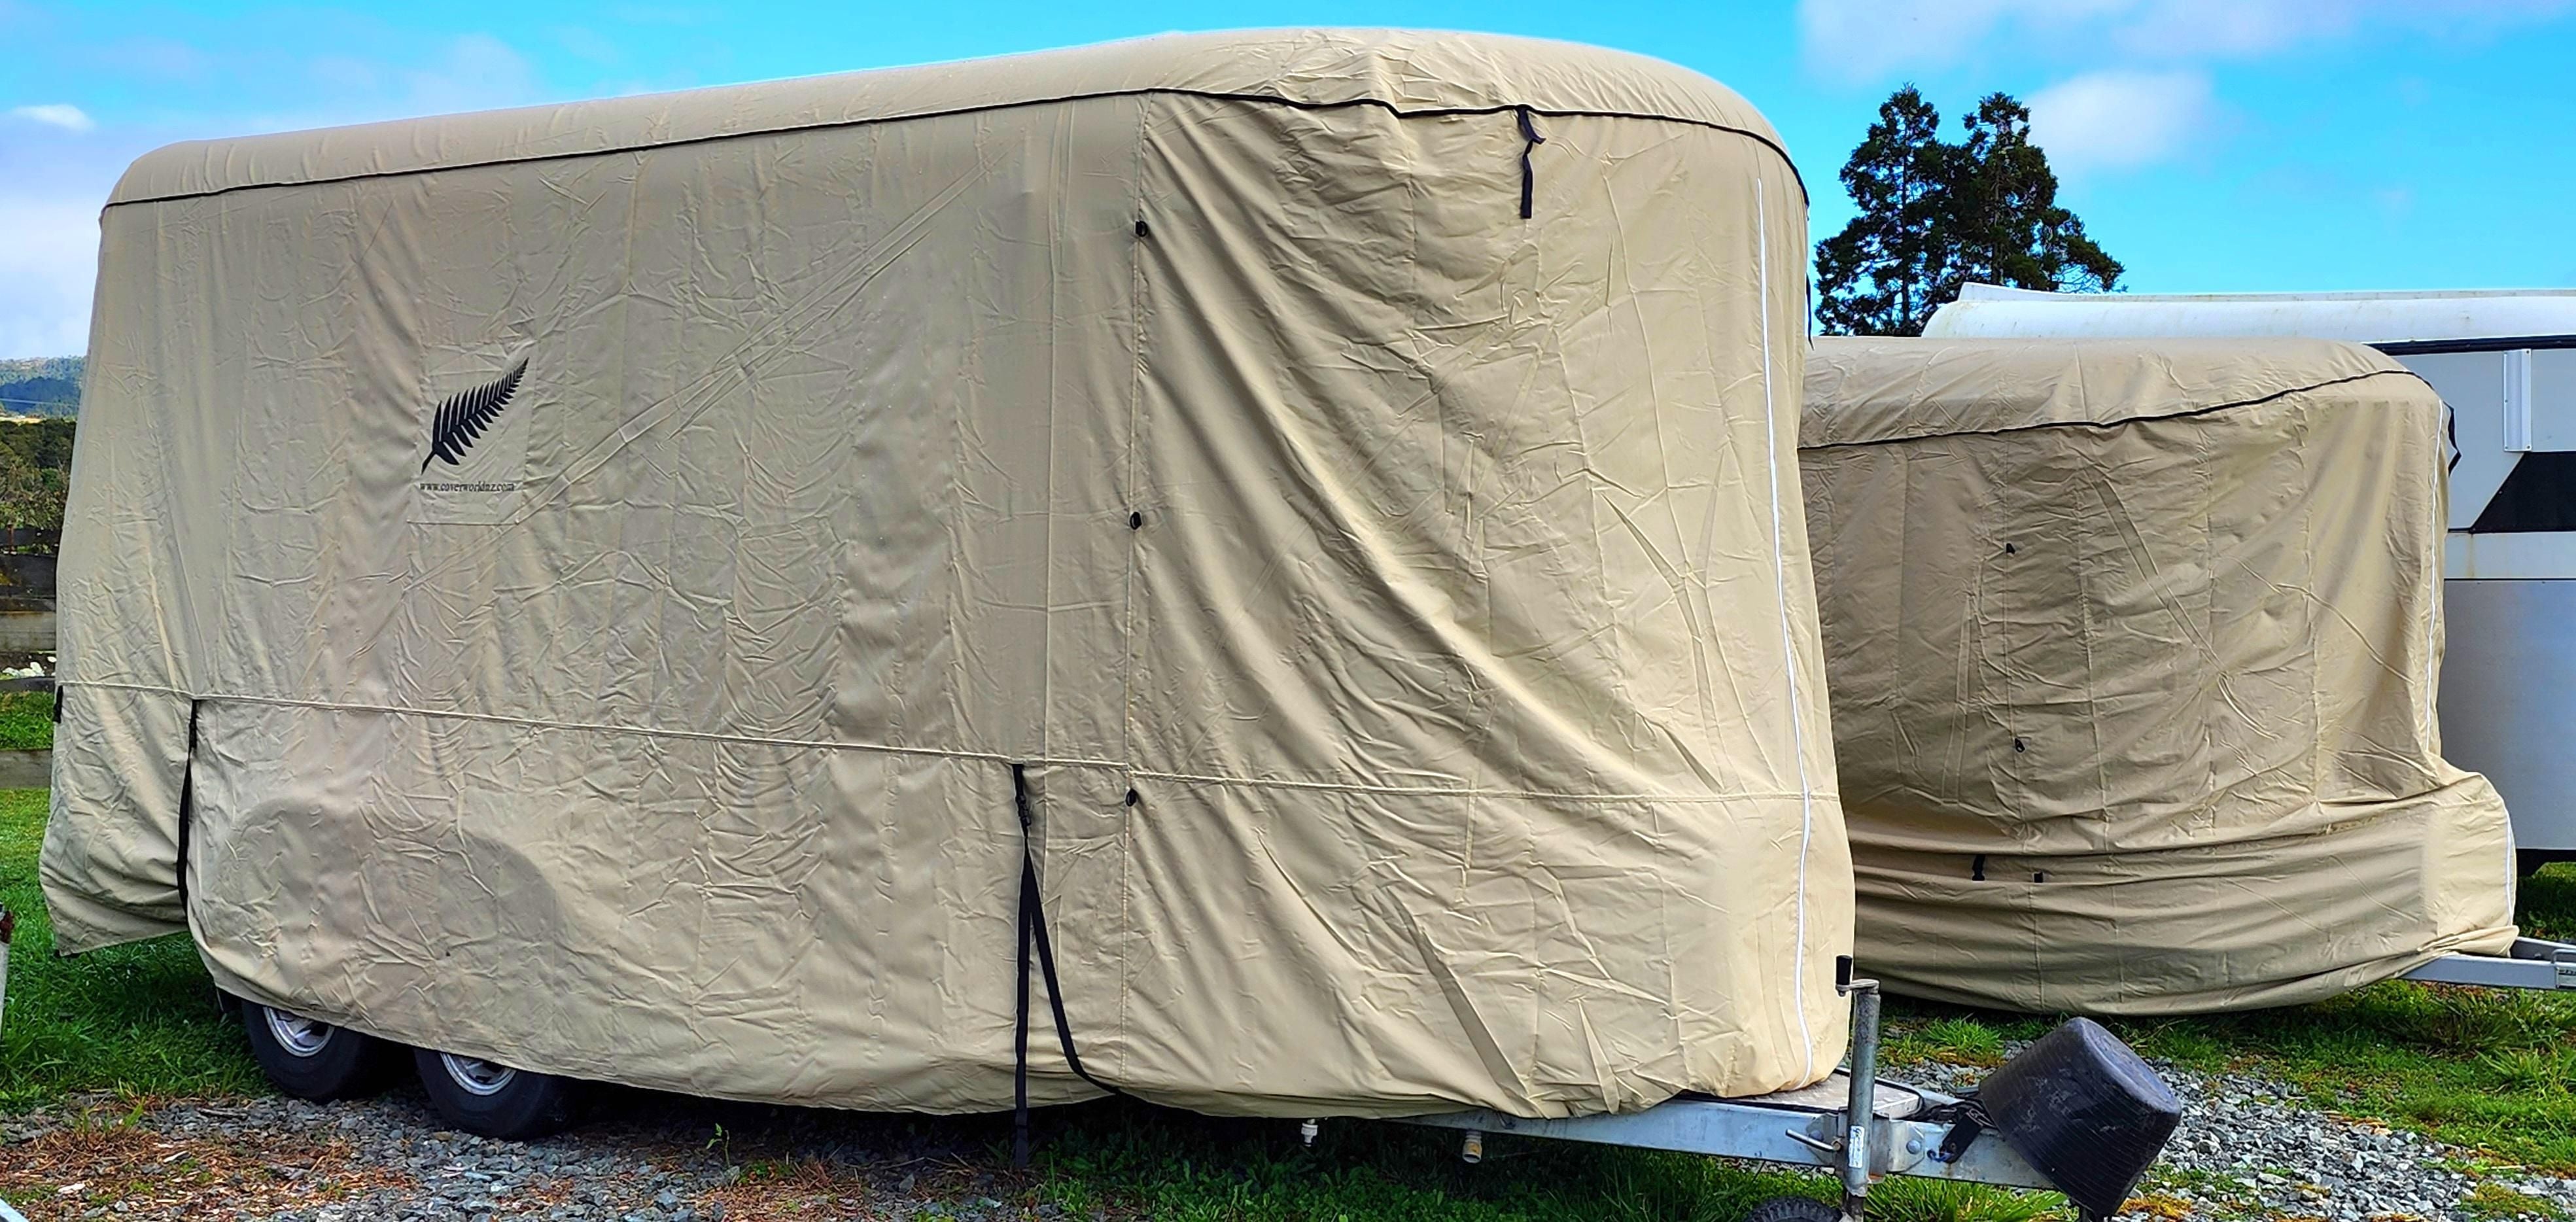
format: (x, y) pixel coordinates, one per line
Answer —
(2134, 648)
(2077, 1112)
(2533, 963)
(2505, 362)
(1913, 1131)
(692, 591)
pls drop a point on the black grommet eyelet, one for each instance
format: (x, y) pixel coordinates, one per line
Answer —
(1133, 797)
(2008, 549)
(2017, 745)
(2039, 877)
(1136, 521)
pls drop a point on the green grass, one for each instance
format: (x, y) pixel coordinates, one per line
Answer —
(2549, 904)
(26, 721)
(2495, 1201)
(1956, 1040)
(137, 1019)
(1125, 1159)
(1129, 1160)
(1186, 1169)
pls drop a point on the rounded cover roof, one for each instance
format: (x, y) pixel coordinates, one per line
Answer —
(1407, 71)
(1862, 390)
(2388, 318)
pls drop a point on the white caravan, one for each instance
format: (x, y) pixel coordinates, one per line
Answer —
(2505, 361)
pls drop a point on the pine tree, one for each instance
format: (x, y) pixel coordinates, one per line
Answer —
(1876, 270)
(2010, 229)
(1934, 216)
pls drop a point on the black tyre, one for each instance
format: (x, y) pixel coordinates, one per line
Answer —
(1794, 1209)
(311, 1059)
(491, 1100)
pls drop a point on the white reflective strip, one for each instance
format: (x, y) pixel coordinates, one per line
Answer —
(2436, 627)
(1788, 639)
(2517, 401)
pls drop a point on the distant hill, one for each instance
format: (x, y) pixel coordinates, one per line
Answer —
(40, 386)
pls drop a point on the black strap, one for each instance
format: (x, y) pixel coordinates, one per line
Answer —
(187, 805)
(1020, 1029)
(61, 689)
(1530, 139)
(1967, 1118)
(1033, 933)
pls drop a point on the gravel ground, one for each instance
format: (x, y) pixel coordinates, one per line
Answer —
(2246, 1150)
(639, 1157)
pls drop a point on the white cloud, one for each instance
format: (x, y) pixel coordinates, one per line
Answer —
(2120, 120)
(159, 59)
(1864, 40)
(475, 72)
(52, 184)
(49, 262)
(2238, 28)
(68, 117)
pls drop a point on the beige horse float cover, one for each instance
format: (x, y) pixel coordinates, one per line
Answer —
(2132, 648)
(604, 582)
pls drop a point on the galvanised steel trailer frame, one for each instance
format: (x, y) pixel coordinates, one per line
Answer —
(2534, 963)
(1909, 1131)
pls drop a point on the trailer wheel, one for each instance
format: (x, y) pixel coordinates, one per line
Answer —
(493, 1100)
(1794, 1209)
(311, 1059)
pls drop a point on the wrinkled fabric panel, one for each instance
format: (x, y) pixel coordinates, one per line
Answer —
(114, 878)
(1457, 611)
(2163, 677)
(1433, 579)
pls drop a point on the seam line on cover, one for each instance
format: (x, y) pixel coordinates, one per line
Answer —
(2124, 422)
(1258, 99)
(1000, 757)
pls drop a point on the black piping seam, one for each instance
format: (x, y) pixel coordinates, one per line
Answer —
(2213, 409)
(2494, 343)
(1249, 98)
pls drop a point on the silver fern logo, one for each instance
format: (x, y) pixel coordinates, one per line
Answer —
(461, 419)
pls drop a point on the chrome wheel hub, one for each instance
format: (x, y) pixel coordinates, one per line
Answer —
(298, 1035)
(475, 1075)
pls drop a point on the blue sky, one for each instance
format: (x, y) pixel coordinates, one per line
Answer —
(2210, 144)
